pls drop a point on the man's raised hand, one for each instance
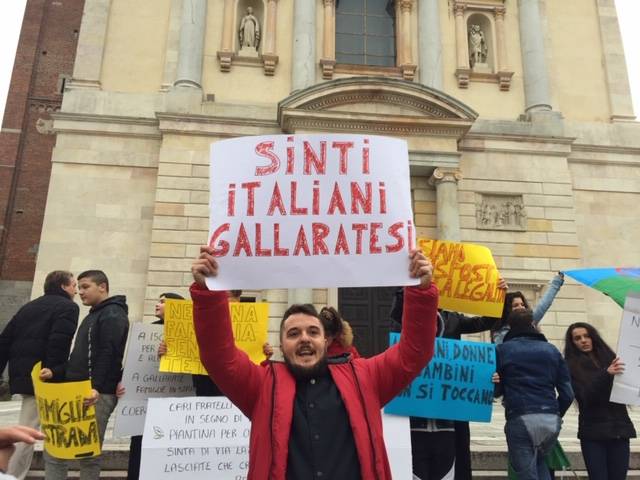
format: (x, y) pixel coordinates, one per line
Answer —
(204, 265)
(420, 267)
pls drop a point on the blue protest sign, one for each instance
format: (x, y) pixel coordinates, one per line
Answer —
(455, 385)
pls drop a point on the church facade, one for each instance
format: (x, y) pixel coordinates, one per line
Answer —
(517, 115)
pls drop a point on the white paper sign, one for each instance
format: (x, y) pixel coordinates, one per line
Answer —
(208, 437)
(626, 386)
(141, 379)
(294, 211)
(397, 438)
(195, 438)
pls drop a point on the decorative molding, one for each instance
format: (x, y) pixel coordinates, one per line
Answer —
(269, 63)
(328, 67)
(501, 212)
(445, 175)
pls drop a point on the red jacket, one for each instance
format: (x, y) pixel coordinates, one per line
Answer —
(265, 394)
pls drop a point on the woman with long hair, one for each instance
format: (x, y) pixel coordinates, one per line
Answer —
(604, 427)
(338, 333)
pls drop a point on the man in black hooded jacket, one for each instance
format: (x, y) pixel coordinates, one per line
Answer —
(41, 331)
(96, 356)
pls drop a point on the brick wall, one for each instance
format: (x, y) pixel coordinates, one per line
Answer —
(46, 51)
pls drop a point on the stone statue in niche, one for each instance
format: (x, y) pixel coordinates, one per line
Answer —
(249, 34)
(477, 47)
(501, 212)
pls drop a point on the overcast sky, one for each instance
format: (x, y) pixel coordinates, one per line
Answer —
(11, 12)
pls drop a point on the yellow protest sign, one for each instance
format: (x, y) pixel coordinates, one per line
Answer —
(70, 428)
(249, 322)
(466, 276)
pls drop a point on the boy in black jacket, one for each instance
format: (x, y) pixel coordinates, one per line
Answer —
(96, 356)
(41, 331)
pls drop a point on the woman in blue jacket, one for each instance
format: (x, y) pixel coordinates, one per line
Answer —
(604, 427)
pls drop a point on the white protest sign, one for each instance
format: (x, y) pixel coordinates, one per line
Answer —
(293, 211)
(195, 438)
(626, 386)
(141, 379)
(397, 438)
(208, 437)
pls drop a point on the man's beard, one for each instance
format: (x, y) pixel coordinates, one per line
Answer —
(305, 373)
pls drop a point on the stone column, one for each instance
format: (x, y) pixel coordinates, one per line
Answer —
(300, 295)
(225, 54)
(447, 211)
(173, 43)
(536, 78)
(614, 62)
(191, 52)
(303, 68)
(87, 69)
(503, 62)
(328, 60)
(430, 44)
(462, 48)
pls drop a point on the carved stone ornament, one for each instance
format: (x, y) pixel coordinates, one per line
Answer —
(501, 212)
(44, 126)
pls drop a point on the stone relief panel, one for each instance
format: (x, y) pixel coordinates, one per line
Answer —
(501, 212)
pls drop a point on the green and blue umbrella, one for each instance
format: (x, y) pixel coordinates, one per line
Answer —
(614, 282)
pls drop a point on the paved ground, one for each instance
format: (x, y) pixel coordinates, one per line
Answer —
(484, 436)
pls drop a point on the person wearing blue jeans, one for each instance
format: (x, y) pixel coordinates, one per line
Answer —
(536, 385)
(604, 427)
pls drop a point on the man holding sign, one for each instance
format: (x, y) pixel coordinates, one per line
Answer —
(312, 417)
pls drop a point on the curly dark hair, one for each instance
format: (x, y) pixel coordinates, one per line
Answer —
(508, 307)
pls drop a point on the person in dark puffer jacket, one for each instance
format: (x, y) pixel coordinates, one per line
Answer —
(41, 331)
(96, 356)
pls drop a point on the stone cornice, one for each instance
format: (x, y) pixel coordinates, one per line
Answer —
(110, 125)
(213, 125)
(525, 144)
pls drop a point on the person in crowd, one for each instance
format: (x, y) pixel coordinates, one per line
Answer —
(441, 449)
(529, 373)
(135, 446)
(337, 331)
(97, 356)
(517, 301)
(41, 331)
(314, 416)
(604, 427)
(11, 439)
(203, 384)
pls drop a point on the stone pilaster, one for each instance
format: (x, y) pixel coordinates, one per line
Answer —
(448, 215)
(614, 62)
(303, 68)
(191, 51)
(504, 75)
(328, 60)
(462, 52)
(225, 54)
(536, 77)
(269, 57)
(406, 64)
(87, 69)
(430, 44)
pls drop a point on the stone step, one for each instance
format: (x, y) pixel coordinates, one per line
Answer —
(487, 464)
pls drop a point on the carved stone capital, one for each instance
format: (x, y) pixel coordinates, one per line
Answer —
(445, 175)
(269, 62)
(459, 8)
(499, 12)
(328, 66)
(225, 61)
(405, 5)
(463, 77)
(408, 71)
(504, 79)
(329, 3)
